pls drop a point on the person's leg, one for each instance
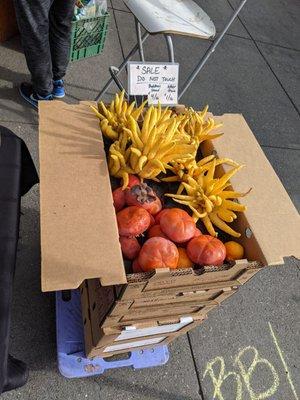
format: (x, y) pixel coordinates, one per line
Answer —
(60, 19)
(33, 21)
(17, 176)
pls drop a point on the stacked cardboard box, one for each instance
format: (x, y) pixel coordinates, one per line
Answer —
(80, 243)
(155, 307)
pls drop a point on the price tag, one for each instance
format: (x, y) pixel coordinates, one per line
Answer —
(158, 81)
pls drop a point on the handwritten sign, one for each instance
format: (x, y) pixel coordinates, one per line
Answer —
(246, 364)
(158, 81)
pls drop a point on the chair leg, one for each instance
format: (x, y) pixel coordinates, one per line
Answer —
(139, 38)
(210, 51)
(122, 66)
(114, 74)
(170, 48)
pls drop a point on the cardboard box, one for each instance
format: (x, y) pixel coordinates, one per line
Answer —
(79, 235)
(103, 341)
(8, 23)
(196, 294)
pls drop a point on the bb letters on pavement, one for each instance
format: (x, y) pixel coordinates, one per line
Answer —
(239, 375)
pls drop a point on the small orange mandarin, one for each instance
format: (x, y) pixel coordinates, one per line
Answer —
(234, 251)
(183, 261)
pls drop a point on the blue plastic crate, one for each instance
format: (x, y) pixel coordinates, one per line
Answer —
(72, 362)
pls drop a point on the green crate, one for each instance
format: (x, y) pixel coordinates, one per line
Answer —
(88, 37)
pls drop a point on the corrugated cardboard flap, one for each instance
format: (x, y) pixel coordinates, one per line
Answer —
(79, 236)
(271, 215)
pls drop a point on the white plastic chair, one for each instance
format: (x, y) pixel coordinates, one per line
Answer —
(171, 17)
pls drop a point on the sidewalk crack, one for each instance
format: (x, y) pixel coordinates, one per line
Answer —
(266, 61)
(200, 391)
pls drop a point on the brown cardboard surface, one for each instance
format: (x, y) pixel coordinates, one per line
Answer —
(182, 282)
(79, 236)
(137, 306)
(157, 309)
(150, 300)
(97, 340)
(123, 307)
(106, 341)
(78, 228)
(271, 215)
(171, 313)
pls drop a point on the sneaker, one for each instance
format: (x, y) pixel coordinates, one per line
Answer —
(58, 89)
(28, 94)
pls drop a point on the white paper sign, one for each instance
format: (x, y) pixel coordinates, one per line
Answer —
(158, 81)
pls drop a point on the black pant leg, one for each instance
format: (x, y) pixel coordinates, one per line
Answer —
(61, 14)
(17, 175)
(33, 22)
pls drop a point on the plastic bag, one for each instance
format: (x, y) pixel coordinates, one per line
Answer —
(89, 9)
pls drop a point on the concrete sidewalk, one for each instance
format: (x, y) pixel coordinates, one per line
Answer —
(249, 348)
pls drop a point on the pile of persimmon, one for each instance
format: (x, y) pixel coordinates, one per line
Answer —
(155, 237)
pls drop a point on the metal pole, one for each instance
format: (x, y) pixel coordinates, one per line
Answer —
(170, 48)
(210, 51)
(114, 74)
(122, 66)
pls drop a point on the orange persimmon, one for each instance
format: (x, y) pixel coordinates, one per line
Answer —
(155, 231)
(206, 250)
(158, 252)
(184, 260)
(130, 247)
(178, 225)
(119, 199)
(136, 268)
(133, 221)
